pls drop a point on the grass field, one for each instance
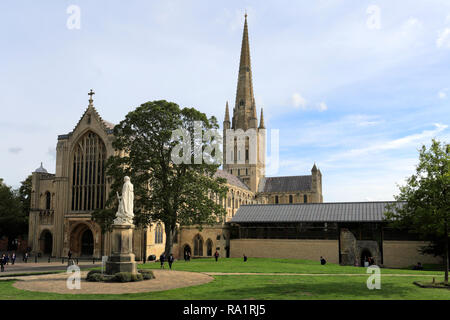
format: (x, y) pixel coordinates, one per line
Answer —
(265, 265)
(314, 286)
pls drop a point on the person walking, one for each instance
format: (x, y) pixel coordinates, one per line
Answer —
(2, 263)
(245, 258)
(162, 258)
(13, 258)
(170, 260)
(216, 255)
(26, 257)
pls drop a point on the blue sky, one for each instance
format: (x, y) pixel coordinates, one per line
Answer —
(356, 97)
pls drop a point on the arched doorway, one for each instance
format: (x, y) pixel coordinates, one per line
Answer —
(365, 255)
(209, 247)
(46, 242)
(186, 250)
(87, 243)
(82, 240)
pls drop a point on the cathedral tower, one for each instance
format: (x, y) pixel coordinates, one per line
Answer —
(244, 154)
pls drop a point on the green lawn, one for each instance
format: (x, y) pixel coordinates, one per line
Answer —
(265, 287)
(270, 287)
(266, 265)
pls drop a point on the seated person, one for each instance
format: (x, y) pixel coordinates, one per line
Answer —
(418, 266)
(322, 261)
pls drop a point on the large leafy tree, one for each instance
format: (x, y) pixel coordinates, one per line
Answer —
(176, 194)
(426, 210)
(13, 218)
(25, 195)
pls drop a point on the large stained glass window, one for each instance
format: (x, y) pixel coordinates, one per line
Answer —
(88, 173)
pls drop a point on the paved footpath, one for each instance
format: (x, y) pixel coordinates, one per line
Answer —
(57, 283)
(30, 267)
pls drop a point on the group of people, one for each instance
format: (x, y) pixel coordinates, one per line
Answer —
(187, 257)
(170, 260)
(6, 258)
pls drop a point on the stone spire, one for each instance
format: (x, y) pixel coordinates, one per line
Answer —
(245, 109)
(227, 113)
(226, 121)
(261, 121)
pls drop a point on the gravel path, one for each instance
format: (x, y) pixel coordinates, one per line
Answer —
(164, 280)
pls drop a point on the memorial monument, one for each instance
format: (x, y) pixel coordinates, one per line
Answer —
(122, 256)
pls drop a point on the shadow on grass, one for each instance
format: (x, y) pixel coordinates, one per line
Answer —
(328, 289)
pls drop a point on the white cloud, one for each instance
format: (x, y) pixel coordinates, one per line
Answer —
(407, 141)
(443, 39)
(373, 21)
(298, 101)
(412, 23)
(443, 93)
(322, 106)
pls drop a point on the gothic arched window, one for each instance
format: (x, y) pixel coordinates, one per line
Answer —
(198, 246)
(159, 233)
(88, 173)
(48, 200)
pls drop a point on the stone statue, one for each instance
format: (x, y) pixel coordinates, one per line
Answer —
(124, 215)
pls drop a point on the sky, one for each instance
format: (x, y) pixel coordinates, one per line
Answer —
(353, 86)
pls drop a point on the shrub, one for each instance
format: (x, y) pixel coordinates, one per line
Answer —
(122, 277)
(95, 276)
(147, 274)
(136, 277)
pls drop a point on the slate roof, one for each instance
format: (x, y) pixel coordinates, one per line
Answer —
(312, 212)
(231, 179)
(285, 184)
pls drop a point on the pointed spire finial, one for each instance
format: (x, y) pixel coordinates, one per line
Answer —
(227, 113)
(261, 121)
(90, 94)
(243, 115)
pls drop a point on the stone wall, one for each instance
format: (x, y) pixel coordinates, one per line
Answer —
(217, 234)
(399, 254)
(352, 249)
(284, 248)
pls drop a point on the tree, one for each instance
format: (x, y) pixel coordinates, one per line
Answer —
(13, 219)
(25, 195)
(176, 194)
(426, 210)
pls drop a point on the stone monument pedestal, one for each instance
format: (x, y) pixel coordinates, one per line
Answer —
(122, 256)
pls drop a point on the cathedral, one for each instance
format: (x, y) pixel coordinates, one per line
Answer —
(281, 217)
